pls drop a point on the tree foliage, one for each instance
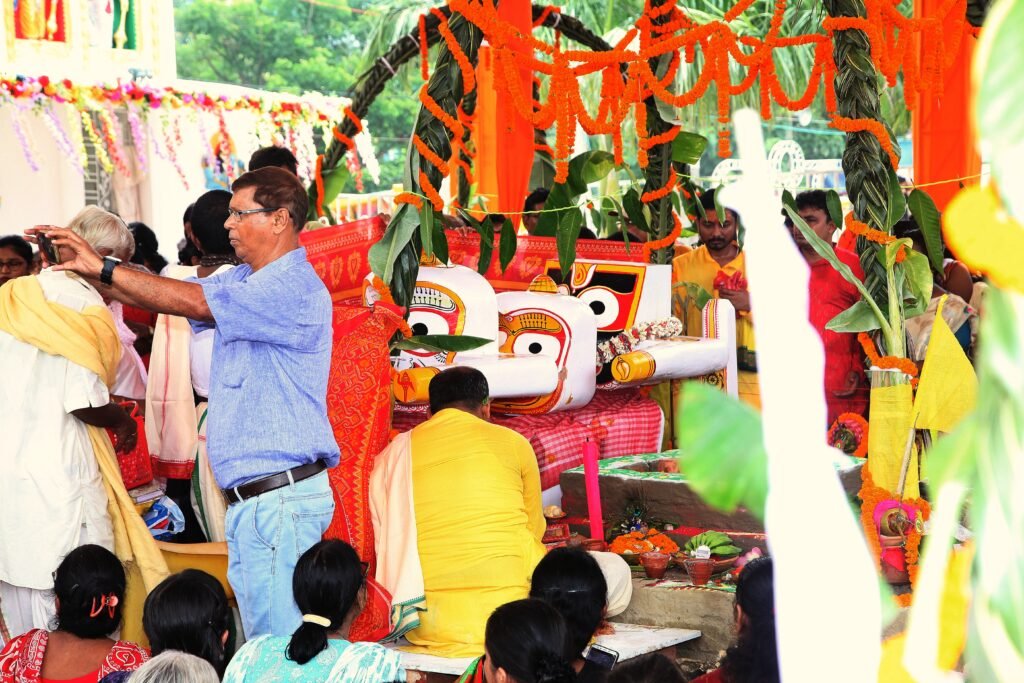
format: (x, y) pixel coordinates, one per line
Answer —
(295, 46)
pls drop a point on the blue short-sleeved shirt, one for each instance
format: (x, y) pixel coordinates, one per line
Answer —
(268, 376)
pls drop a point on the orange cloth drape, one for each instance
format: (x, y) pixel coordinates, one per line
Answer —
(503, 139)
(941, 124)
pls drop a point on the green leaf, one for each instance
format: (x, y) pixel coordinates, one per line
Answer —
(826, 251)
(897, 204)
(507, 245)
(722, 451)
(427, 228)
(835, 207)
(448, 343)
(400, 230)
(596, 165)
(568, 232)
(927, 218)
(694, 291)
(919, 281)
(856, 318)
(635, 210)
(440, 242)
(558, 202)
(486, 240)
(887, 254)
(688, 147)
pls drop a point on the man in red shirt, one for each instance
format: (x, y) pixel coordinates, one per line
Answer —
(846, 388)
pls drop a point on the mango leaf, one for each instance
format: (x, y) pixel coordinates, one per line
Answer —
(427, 228)
(440, 242)
(596, 165)
(558, 202)
(897, 204)
(825, 251)
(568, 232)
(400, 230)
(835, 207)
(696, 292)
(927, 218)
(445, 343)
(688, 147)
(507, 245)
(919, 281)
(856, 318)
(635, 209)
(722, 452)
(486, 240)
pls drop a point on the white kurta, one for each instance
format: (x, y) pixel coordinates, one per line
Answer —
(50, 485)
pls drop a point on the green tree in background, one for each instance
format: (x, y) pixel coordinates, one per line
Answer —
(295, 46)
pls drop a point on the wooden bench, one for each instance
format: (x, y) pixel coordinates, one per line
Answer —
(629, 640)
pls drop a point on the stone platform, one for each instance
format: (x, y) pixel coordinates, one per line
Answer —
(673, 603)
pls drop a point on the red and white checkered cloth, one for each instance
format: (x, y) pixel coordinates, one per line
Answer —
(622, 422)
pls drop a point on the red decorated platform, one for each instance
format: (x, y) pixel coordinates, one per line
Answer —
(622, 422)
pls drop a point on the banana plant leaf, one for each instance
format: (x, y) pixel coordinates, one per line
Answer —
(443, 343)
(927, 218)
(722, 449)
(825, 251)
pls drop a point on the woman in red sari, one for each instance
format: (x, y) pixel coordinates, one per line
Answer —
(89, 587)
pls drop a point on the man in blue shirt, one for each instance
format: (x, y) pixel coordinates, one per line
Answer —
(268, 436)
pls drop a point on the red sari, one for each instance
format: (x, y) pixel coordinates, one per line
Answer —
(21, 660)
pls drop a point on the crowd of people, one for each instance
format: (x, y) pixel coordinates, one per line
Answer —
(228, 354)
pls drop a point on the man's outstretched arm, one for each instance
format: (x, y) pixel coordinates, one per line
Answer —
(130, 286)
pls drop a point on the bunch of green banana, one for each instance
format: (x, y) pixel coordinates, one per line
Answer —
(719, 544)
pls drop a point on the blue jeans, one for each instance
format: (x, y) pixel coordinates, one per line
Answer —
(266, 535)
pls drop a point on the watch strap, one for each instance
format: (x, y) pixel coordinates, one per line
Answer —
(107, 274)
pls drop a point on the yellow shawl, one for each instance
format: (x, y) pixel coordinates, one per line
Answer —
(88, 339)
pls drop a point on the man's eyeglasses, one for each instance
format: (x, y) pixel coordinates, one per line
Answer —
(13, 264)
(235, 213)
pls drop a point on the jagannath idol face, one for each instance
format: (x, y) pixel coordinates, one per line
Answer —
(435, 309)
(611, 290)
(535, 331)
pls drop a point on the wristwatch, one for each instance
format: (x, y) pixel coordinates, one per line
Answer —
(107, 274)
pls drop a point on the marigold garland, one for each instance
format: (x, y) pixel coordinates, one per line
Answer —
(905, 365)
(853, 426)
(873, 126)
(424, 49)
(409, 198)
(319, 181)
(871, 497)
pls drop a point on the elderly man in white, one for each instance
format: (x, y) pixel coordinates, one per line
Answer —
(52, 497)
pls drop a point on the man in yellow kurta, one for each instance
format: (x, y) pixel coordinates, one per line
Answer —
(718, 266)
(477, 516)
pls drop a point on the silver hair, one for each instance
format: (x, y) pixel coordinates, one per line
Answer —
(103, 230)
(173, 666)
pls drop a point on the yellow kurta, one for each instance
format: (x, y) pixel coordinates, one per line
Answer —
(476, 493)
(699, 267)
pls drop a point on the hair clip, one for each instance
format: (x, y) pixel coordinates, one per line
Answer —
(108, 601)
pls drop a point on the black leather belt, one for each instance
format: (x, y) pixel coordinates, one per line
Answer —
(273, 482)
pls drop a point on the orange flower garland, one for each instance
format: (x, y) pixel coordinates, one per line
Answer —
(853, 425)
(871, 497)
(409, 198)
(424, 49)
(876, 128)
(319, 179)
(905, 365)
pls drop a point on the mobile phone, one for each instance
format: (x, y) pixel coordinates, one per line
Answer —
(602, 657)
(48, 248)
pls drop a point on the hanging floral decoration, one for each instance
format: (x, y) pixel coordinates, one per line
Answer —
(145, 106)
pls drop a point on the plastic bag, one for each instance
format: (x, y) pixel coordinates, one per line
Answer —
(164, 519)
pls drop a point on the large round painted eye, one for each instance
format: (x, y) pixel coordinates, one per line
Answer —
(603, 303)
(424, 322)
(536, 345)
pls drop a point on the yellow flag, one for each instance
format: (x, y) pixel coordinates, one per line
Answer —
(948, 388)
